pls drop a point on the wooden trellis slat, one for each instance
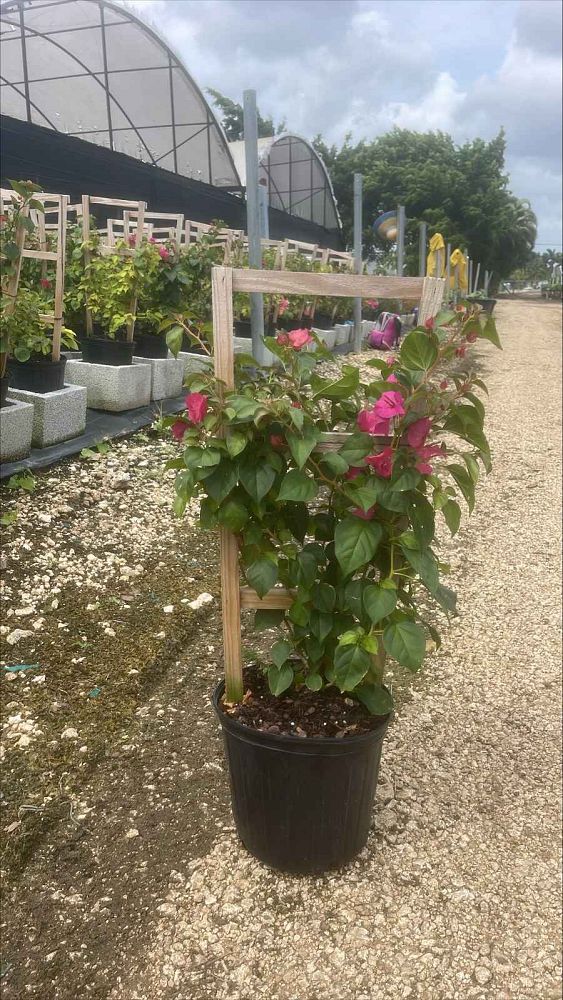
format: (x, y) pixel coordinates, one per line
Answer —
(224, 282)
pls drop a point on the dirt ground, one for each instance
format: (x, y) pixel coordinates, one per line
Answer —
(123, 876)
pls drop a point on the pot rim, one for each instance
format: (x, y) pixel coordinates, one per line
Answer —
(307, 744)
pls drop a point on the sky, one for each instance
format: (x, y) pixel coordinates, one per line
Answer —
(466, 67)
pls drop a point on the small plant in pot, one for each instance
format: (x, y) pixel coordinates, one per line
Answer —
(30, 362)
(480, 298)
(333, 489)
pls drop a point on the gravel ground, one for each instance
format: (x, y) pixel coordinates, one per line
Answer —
(134, 885)
(456, 894)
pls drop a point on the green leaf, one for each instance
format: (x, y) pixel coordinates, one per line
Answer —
(8, 518)
(256, 477)
(465, 483)
(405, 641)
(298, 614)
(365, 496)
(356, 448)
(356, 542)
(302, 446)
(296, 416)
(419, 351)
(422, 520)
(280, 652)
(378, 700)
(379, 602)
(245, 409)
(472, 467)
(298, 486)
(269, 618)
(174, 338)
(279, 679)
(334, 462)
(489, 332)
(408, 480)
(320, 624)
(222, 480)
(446, 598)
(342, 388)
(236, 442)
(452, 515)
(179, 505)
(22, 481)
(262, 575)
(323, 597)
(314, 682)
(351, 664)
(444, 317)
(424, 565)
(233, 515)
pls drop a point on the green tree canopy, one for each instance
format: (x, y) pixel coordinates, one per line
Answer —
(460, 191)
(232, 117)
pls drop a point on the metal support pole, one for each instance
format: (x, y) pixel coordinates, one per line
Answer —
(253, 220)
(264, 215)
(439, 265)
(400, 239)
(476, 282)
(422, 237)
(448, 268)
(469, 275)
(357, 259)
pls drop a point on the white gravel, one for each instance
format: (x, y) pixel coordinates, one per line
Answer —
(456, 895)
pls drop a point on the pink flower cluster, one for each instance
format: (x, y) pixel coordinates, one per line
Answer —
(377, 419)
(284, 303)
(416, 437)
(295, 339)
(372, 303)
(196, 405)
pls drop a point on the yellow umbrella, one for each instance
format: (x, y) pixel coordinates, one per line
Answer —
(436, 260)
(458, 268)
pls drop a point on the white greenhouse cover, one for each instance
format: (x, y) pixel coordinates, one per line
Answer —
(92, 69)
(296, 177)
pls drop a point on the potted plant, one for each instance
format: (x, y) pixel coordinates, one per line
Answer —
(348, 527)
(30, 364)
(481, 299)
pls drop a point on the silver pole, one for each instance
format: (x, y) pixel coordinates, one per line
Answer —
(448, 268)
(469, 275)
(422, 236)
(476, 282)
(357, 259)
(264, 216)
(400, 239)
(253, 219)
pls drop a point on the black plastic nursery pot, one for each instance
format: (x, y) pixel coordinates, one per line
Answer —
(4, 384)
(102, 351)
(487, 305)
(242, 328)
(322, 321)
(150, 345)
(37, 374)
(301, 805)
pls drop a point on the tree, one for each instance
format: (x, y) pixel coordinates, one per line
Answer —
(460, 191)
(232, 118)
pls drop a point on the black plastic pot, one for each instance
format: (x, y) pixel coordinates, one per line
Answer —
(150, 345)
(487, 305)
(4, 383)
(301, 805)
(322, 322)
(102, 351)
(37, 375)
(242, 328)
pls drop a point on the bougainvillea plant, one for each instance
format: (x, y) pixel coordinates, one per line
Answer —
(348, 526)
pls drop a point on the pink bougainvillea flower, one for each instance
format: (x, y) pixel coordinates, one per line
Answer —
(444, 384)
(382, 463)
(164, 253)
(152, 239)
(390, 360)
(3, 219)
(299, 338)
(471, 337)
(353, 472)
(178, 429)
(418, 432)
(276, 441)
(45, 283)
(391, 378)
(131, 241)
(369, 422)
(429, 323)
(196, 405)
(372, 303)
(460, 351)
(424, 453)
(366, 515)
(283, 306)
(282, 339)
(389, 405)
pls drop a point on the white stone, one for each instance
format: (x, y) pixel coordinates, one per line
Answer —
(17, 634)
(69, 734)
(112, 387)
(16, 427)
(57, 416)
(200, 601)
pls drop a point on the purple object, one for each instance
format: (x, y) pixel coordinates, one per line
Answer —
(386, 333)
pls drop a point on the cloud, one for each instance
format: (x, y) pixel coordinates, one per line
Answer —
(363, 66)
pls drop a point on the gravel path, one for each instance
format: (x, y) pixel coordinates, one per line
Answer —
(456, 894)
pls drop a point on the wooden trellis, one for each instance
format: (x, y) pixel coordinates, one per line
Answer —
(57, 205)
(225, 281)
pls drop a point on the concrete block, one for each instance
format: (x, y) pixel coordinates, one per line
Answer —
(112, 387)
(367, 326)
(343, 332)
(327, 336)
(194, 362)
(16, 425)
(57, 416)
(167, 376)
